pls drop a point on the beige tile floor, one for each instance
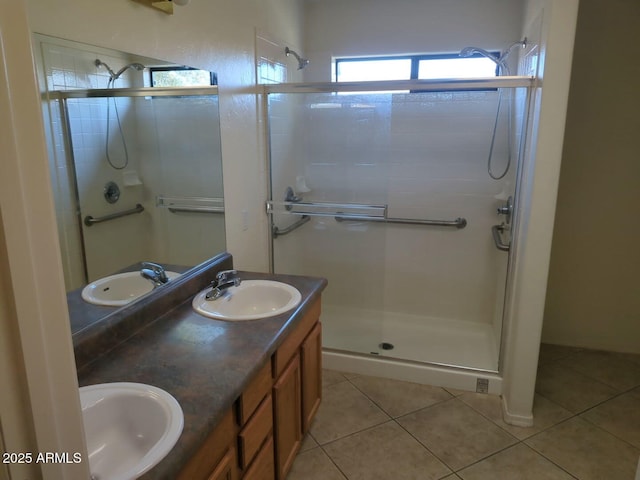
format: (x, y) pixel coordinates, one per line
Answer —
(587, 427)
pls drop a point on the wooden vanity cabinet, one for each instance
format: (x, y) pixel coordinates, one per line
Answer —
(297, 366)
(260, 437)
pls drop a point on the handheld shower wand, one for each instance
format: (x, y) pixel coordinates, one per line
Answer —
(137, 66)
(471, 51)
(503, 68)
(302, 62)
(113, 76)
(100, 63)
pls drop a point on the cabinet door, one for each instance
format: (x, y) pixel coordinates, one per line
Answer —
(216, 459)
(287, 417)
(311, 364)
(225, 469)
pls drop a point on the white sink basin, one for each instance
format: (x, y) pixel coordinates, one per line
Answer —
(129, 428)
(119, 289)
(250, 300)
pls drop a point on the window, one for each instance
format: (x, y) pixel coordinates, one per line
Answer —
(181, 77)
(413, 67)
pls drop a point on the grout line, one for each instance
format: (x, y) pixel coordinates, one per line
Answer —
(334, 463)
(425, 447)
(518, 441)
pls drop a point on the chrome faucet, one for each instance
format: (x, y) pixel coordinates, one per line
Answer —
(154, 273)
(222, 283)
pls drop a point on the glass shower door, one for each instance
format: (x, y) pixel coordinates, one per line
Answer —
(327, 150)
(391, 201)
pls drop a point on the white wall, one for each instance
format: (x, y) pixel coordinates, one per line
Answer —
(593, 298)
(553, 22)
(335, 28)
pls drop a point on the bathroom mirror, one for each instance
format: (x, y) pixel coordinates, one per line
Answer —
(136, 177)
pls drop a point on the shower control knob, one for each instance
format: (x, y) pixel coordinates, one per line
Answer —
(507, 209)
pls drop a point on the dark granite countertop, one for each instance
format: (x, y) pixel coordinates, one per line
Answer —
(204, 363)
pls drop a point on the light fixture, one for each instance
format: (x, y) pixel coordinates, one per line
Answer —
(165, 6)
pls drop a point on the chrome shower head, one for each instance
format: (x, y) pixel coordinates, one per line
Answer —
(302, 62)
(500, 61)
(520, 43)
(471, 51)
(136, 66)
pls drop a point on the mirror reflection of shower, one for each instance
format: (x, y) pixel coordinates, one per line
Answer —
(503, 69)
(113, 76)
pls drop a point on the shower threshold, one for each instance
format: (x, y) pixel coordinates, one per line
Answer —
(409, 371)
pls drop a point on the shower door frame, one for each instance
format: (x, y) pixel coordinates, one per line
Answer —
(423, 86)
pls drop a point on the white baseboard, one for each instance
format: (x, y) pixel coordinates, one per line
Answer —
(516, 419)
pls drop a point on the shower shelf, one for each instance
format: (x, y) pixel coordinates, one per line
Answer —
(191, 204)
(327, 209)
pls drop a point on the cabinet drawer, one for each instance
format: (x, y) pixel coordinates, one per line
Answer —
(263, 467)
(254, 393)
(292, 343)
(254, 432)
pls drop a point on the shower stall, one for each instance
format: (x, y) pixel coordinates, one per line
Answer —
(383, 188)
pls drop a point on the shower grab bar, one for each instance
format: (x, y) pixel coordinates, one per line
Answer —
(354, 211)
(496, 230)
(457, 223)
(89, 220)
(283, 231)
